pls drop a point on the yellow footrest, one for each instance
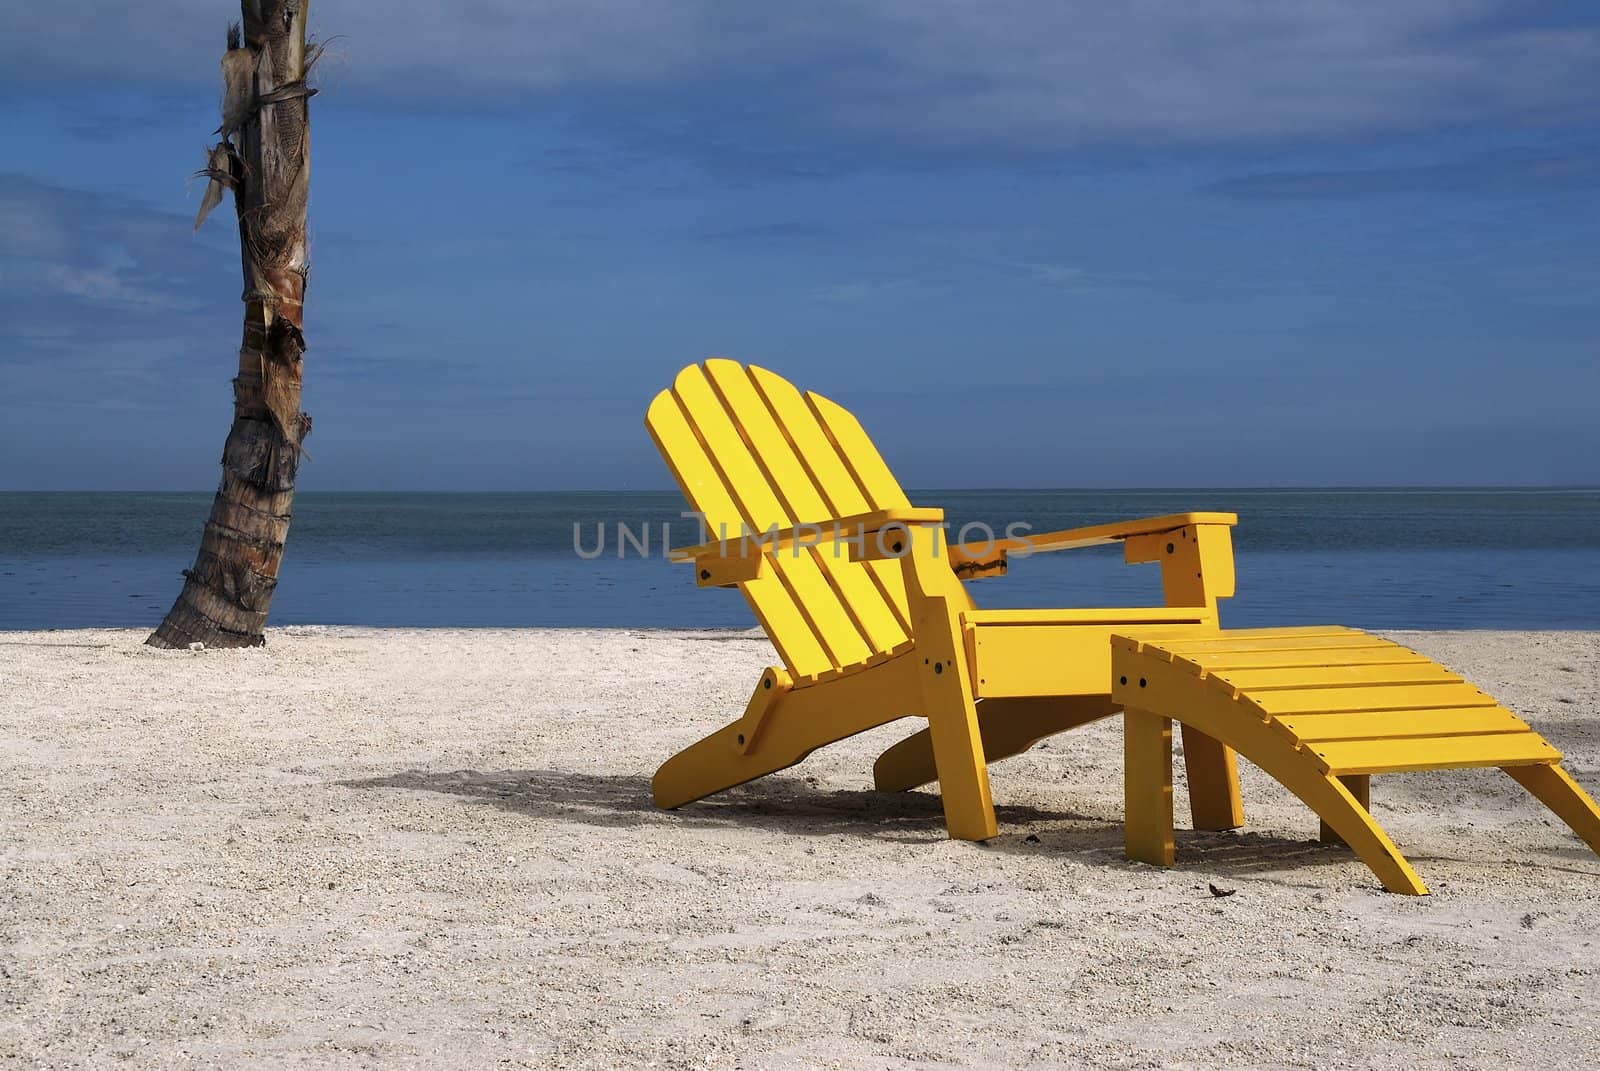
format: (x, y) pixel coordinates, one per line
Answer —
(1319, 710)
(1352, 702)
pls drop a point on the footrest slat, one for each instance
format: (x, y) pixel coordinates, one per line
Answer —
(1432, 753)
(1400, 724)
(1290, 677)
(1375, 655)
(1283, 702)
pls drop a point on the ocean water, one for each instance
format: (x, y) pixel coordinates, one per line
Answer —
(1407, 558)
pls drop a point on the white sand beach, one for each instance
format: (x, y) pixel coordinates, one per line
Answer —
(358, 848)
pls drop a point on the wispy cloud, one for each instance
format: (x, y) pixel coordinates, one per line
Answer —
(107, 286)
(72, 256)
(786, 231)
(1540, 172)
(1023, 75)
(1068, 277)
(864, 291)
(107, 303)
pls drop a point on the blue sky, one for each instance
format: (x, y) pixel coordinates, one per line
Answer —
(1031, 243)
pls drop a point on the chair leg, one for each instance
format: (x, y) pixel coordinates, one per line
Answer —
(963, 775)
(1552, 787)
(1008, 726)
(781, 727)
(710, 765)
(1213, 772)
(1147, 786)
(953, 723)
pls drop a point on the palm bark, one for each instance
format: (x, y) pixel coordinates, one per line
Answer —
(265, 159)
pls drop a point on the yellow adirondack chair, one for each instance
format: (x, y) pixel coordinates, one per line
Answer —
(864, 601)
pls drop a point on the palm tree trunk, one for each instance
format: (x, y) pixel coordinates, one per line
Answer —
(265, 159)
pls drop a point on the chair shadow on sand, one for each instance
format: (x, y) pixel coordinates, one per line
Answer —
(796, 806)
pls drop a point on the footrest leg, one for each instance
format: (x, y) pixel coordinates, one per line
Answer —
(1360, 786)
(1147, 786)
(1213, 772)
(1552, 787)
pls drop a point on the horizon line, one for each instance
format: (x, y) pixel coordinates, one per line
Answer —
(1085, 489)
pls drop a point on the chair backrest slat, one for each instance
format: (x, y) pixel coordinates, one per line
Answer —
(703, 486)
(840, 491)
(771, 444)
(871, 472)
(761, 508)
(749, 452)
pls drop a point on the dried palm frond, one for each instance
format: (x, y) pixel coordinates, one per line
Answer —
(219, 170)
(238, 71)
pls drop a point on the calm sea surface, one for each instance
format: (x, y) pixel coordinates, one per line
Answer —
(1375, 559)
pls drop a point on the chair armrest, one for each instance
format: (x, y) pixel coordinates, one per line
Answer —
(1195, 551)
(740, 557)
(1096, 535)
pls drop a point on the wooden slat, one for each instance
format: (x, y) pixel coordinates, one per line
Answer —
(1097, 535)
(1281, 677)
(1393, 724)
(1224, 662)
(866, 465)
(1319, 643)
(771, 601)
(761, 508)
(1287, 632)
(1394, 697)
(839, 488)
(862, 600)
(1447, 753)
(1120, 615)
